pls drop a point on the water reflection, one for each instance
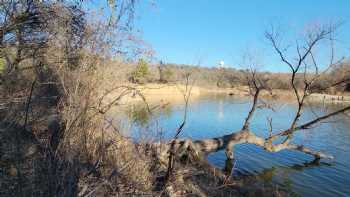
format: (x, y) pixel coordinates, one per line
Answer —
(221, 114)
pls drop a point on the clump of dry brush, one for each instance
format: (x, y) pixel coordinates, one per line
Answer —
(56, 136)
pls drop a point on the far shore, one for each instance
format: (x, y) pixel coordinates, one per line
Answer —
(173, 93)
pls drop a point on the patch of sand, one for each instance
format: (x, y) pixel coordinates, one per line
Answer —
(174, 93)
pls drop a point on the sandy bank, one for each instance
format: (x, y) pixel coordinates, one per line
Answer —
(173, 93)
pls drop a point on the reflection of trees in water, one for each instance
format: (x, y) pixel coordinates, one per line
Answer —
(139, 115)
(142, 116)
(267, 175)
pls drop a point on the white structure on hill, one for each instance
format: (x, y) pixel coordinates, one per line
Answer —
(221, 64)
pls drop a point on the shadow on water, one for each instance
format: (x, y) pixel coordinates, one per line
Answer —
(266, 176)
(268, 173)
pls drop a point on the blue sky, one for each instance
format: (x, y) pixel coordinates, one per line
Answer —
(207, 31)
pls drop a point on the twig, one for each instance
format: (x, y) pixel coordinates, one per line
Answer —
(28, 104)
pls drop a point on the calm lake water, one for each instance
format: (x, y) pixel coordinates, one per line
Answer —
(212, 116)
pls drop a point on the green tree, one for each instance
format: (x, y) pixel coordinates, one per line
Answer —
(139, 75)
